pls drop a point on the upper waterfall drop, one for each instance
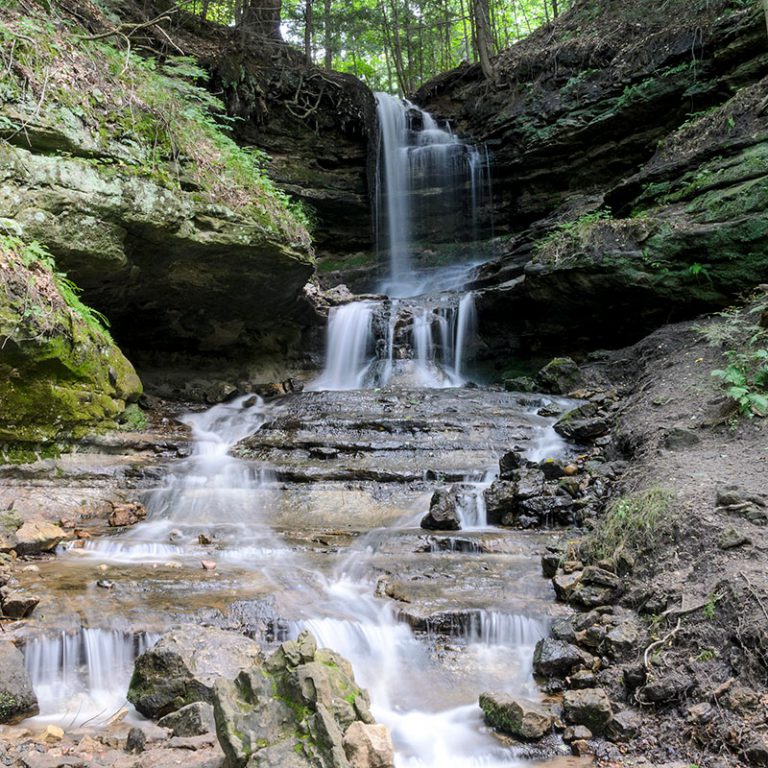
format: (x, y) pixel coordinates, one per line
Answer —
(430, 186)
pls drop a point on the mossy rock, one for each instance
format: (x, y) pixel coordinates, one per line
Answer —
(60, 372)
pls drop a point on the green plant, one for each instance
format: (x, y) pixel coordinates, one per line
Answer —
(698, 270)
(635, 523)
(710, 609)
(746, 380)
(568, 234)
(34, 254)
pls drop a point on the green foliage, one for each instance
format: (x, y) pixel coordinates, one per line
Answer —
(745, 379)
(569, 235)
(34, 254)
(393, 45)
(745, 343)
(636, 523)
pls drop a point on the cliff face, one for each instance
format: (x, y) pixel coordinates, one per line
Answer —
(627, 170)
(316, 126)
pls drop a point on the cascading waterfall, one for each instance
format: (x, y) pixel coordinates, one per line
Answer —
(210, 493)
(421, 336)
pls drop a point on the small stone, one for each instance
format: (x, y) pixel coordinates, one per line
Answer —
(580, 748)
(368, 746)
(19, 605)
(570, 470)
(208, 565)
(584, 678)
(204, 539)
(136, 741)
(53, 733)
(175, 564)
(679, 438)
(443, 512)
(36, 536)
(175, 535)
(624, 725)
(105, 584)
(31, 569)
(731, 539)
(125, 514)
(555, 658)
(577, 733)
(550, 562)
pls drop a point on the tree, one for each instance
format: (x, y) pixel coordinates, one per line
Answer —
(308, 23)
(483, 35)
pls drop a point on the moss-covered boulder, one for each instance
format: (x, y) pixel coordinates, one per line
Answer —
(60, 372)
(293, 711)
(183, 666)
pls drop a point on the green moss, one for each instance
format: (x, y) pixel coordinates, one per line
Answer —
(60, 372)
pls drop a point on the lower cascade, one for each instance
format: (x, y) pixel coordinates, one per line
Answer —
(423, 342)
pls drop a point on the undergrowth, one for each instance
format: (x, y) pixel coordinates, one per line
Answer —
(634, 524)
(149, 117)
(41, 268)
(568, 235)
(742, 336)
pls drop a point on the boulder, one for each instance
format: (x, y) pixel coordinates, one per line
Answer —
(625, 725)
(367, 745)
(556, 658)
(443, 512)
(500, 501)
(509, 462)
(195, 719)
(559, 376)
(17, 699)
(583, 424)
(36, 536)
(182, 667)
(293, 710)
(125, 514)
(515, 715)
(589, 707)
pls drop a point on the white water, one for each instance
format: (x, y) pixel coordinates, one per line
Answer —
(425, 176)
(211, 493)
(416, 343)
(82, 678)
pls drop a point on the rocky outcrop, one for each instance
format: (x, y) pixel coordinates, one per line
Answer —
(317, 127)
(60, 372)
(516, 716)
(616, 233)
(297, 710)
(171, 272)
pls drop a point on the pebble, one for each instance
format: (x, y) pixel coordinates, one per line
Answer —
(53, 733)
(208, 565)
(31, 569)
(103, 567)
(105, 583)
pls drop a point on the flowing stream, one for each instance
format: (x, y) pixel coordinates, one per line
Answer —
(428, 622)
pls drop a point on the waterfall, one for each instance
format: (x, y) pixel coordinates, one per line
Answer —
(82, 678)
(420, 342)
(429, 185)
(349, 343)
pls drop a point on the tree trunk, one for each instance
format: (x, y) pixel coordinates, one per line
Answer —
(262, 17)
(483, 36)
(328, 30)
(555, 9)
(308, 31)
